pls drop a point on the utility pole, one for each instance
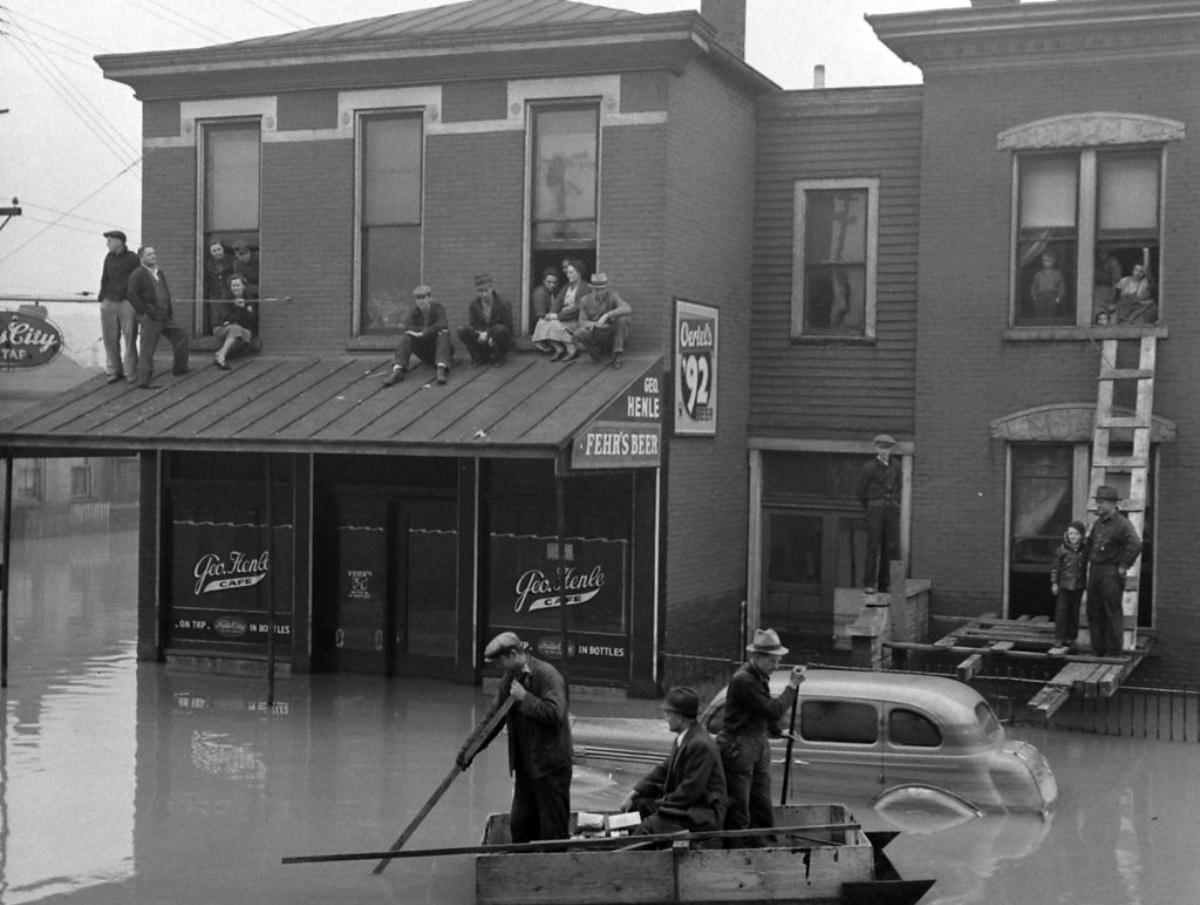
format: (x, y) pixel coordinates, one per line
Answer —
(9, 212)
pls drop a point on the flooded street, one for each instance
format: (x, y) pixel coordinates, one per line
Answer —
(125, 782)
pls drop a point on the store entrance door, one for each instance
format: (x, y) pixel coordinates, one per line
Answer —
(425, 558)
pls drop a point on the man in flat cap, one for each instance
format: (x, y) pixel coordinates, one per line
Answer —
(489, 330)
(686, 792)
(603, 321)
(118, 320)
(751, 720)
(427, 333)
(539, 741)
(879, 486)
(1113, 546)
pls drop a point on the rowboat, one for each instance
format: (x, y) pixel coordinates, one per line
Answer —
(821, 856)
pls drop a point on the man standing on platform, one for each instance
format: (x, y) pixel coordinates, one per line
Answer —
(1113, 547)
(118, 320)
(151, 299)
(879, 487)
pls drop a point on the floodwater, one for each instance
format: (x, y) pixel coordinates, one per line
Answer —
(125, 782)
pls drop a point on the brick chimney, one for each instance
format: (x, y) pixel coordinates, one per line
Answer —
(728, 17)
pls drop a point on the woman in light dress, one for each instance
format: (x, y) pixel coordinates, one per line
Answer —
(555, 329)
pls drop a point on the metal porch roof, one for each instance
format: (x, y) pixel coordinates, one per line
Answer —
(531, 407)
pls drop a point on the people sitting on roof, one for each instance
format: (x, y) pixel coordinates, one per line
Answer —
(557, 327)
(541, 302)
(218, 267)
(488, 333)
(246, 265)
(603, 321)
(427, 334)
(237, 323)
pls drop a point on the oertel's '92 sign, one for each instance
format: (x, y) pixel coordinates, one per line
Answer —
(27, 340)
(695, 368)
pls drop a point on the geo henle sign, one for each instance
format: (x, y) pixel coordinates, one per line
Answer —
(628, 433)
(27, 341)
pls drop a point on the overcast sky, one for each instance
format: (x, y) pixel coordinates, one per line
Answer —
(70, 143)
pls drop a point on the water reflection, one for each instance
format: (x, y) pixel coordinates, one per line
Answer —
(127, 782)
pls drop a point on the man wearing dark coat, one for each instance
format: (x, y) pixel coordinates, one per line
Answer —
(539, 741)
(427, 333)
(686, 792)
(489, 330)
(879, 487)
(151, 299)
(1113, 546)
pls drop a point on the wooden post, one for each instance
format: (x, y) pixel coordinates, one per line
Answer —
(6, 570)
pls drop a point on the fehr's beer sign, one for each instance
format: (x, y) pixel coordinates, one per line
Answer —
(27, 341)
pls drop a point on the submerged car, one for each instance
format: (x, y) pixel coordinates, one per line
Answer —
(864, 735)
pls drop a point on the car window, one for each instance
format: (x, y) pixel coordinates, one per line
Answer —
(839, 721)
(906, 727)
(716, 720)
(989, 723)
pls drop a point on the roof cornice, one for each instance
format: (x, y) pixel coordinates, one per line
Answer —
(1060, 33)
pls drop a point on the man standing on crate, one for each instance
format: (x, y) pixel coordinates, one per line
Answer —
(751, 719)
(1113, 546)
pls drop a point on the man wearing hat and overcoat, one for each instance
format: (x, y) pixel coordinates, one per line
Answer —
(879, 486)
(751, 720)
(603, 321)
(1113, 546)
(489, 330)
(118, 320)
(539, 741)
(686, 792)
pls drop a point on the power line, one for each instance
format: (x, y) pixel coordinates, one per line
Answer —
(66, 34)
(179, 20)
(289, 16)
(55, 223)
(107, 224)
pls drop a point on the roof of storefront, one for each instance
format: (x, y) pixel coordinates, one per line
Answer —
(530, 407)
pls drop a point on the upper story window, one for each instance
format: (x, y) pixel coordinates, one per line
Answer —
(390, 179)
(81, 481)
(230, 158)
(29, 479)
(834, 258)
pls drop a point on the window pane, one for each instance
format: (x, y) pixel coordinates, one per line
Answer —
(1049, 187)
(564, 177)
(1128, 193)
(391, 170)
(835, 227)
(391, 267)
(835, 299)
(838, 721)
(908, 728)
(1042, 478)
(231, 177)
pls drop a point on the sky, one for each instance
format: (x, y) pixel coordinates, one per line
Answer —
(70, 141)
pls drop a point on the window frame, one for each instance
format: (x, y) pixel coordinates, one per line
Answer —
(362, 115)
(84, 470)
(800, 189)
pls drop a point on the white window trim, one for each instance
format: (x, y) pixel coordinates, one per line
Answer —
(799, 209)
(355, 119)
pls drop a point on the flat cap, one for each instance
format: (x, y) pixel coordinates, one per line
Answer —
(884, 440)
(682, 700)
(502, 644)
(115, 234)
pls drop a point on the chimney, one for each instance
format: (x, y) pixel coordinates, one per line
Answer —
(819, 76)
(728, 17)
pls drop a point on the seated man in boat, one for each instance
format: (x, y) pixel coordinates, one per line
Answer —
(686, 792)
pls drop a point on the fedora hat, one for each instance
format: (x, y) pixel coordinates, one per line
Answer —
(766, 641)
(683, 701)
(1105, 492)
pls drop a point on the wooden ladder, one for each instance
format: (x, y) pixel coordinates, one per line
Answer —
(1136, 465)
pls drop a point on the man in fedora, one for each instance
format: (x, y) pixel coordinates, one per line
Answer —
(118, 320)
(603, 321)
(879, 486)
(751, 719)
(539, 741)
(1113, 546)
(686, 792)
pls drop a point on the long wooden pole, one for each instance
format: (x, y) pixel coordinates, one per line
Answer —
(600, 842)
(791, 744)
(474, 745)
(6, 569)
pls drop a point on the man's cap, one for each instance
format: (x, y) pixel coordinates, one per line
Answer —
(549, 272)
(884, 440)
(482, 280)
(502, 644)
(682, 700)
(115, 234)
(1105, 492)
(766, 641)
(422, 290)
(599, 281)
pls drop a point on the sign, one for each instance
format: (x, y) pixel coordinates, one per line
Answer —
(695, 368)
(27, 341)
(628, 433)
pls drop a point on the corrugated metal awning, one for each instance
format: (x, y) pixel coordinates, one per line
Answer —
(531, 407)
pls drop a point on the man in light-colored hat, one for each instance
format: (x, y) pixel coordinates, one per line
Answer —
(118, 320)
(1113, 546)
(879, 487)
(686, 792)
(426, 333)
(539, 741)
(751, 719)
(603, 321)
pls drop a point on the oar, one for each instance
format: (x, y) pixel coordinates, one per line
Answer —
(600, 842)
(474, 742)
(791, 744)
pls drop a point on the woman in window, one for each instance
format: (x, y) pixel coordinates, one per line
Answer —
(557, 328)
(238, 323)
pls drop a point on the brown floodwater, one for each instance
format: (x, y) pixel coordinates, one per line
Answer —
(126, 782)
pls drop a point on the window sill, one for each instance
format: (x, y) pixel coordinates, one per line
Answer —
(382, 342)
(1081, 334)
(831, 339)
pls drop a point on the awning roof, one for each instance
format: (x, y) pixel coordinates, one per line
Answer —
(531, 407)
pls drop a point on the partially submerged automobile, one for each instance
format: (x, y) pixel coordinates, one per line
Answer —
(864, 735)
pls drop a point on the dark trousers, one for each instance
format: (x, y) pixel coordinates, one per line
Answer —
(597, 340)
(151, 331)
(883, 537)
(496, 349)
(541, 807)
(747, 761)
(1105, 620)
(433, 350)
(1066, 614)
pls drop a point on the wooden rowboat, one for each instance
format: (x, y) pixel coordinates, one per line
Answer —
(831, 862)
